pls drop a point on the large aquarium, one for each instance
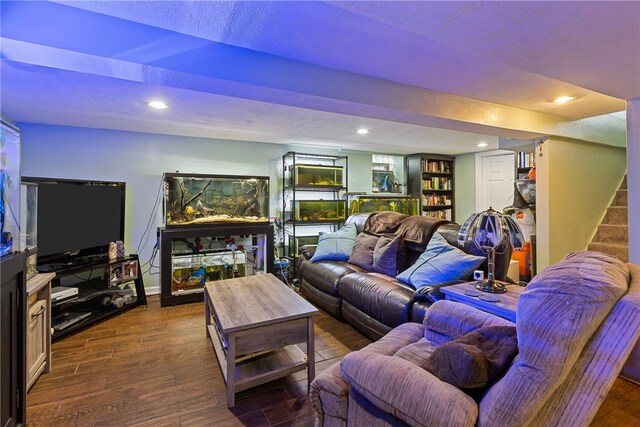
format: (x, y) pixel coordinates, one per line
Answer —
(208, 199)
(9, 189)
(190, 272)
(318, 176)
(362, 203)
(320, 210)
(29, 226)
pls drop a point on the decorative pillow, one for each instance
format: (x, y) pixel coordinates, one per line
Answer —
(441, 262)
(336, 246)
(385, 255)
(476, 359)
(362, 254)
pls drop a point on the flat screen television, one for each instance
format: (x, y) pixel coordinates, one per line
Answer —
(77, 218)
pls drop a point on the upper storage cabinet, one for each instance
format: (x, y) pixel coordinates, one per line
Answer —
(317, 176)
(209, 199)
(430, 177)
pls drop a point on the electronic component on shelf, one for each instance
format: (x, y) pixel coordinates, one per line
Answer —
(70, 319)
(62, 293)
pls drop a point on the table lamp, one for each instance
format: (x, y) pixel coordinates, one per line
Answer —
(491, 232)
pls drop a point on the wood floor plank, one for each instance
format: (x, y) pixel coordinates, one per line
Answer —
(153, 366)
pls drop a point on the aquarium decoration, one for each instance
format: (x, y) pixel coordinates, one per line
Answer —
(209, 199)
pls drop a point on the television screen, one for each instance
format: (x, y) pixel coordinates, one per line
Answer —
(77, 217)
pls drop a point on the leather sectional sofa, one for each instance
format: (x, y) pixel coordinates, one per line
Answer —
(375, 303)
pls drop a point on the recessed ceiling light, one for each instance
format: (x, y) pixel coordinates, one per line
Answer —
(362, 131)
(563, 99)
(483, 144)
(158, 105)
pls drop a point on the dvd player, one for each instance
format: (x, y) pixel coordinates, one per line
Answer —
(60, 293)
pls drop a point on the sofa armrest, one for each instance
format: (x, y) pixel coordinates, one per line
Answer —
(447, 320)
(407, 391)
(307, 251)
(432, 293)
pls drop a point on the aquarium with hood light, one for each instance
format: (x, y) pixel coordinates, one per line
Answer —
(362, 203)
(191, 199)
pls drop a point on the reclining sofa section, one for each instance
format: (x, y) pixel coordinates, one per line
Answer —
(375, 303)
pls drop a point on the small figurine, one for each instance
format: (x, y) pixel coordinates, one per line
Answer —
(113, 251)
(120, 248)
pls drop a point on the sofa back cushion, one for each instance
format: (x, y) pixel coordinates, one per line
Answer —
(384, 222)
(358, 219)
(556, 316)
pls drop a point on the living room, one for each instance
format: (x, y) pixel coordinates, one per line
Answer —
(304, 77)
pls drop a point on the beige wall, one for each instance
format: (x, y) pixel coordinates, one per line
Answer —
(576, 182)
(465, 186)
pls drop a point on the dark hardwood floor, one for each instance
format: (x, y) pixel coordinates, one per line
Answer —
(153, 366)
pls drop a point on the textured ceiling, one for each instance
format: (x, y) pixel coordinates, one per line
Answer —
(312, 72)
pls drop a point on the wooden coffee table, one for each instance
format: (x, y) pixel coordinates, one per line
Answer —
(254, 323)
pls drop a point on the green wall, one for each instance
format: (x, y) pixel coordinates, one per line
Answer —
(465, 186)
(576, 182)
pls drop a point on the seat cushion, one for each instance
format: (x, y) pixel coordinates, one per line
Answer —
(383, 298)
(324, 275)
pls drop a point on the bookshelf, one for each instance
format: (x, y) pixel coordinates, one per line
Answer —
(525, 180)
(430, 178)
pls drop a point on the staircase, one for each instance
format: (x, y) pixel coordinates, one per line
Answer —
(612, 236)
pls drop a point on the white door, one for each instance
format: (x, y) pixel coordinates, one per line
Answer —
(498, 174)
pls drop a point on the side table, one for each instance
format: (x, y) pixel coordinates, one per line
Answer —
(505, 307)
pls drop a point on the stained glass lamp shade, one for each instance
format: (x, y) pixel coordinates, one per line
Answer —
(491, 232)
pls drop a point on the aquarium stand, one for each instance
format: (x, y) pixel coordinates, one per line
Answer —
(188, 258)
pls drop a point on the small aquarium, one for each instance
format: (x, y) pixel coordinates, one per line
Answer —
(298, 241)
(9, 189)
(318, 176)
(29, 225)
(190, 272)
(319, 210)
(208, 199)
(373, 203)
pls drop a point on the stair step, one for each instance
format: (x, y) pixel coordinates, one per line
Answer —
(612, 233)
(619, 251)
(620, 198)
(623, 186)
(616, 215)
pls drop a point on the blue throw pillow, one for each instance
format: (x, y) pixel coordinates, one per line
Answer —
(336, 246)
(441, 262)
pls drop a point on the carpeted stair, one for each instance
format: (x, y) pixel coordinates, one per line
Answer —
(612, 236)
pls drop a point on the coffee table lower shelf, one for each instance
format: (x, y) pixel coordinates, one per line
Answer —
(260, 369)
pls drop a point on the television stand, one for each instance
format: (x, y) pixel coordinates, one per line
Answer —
(104, 288)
